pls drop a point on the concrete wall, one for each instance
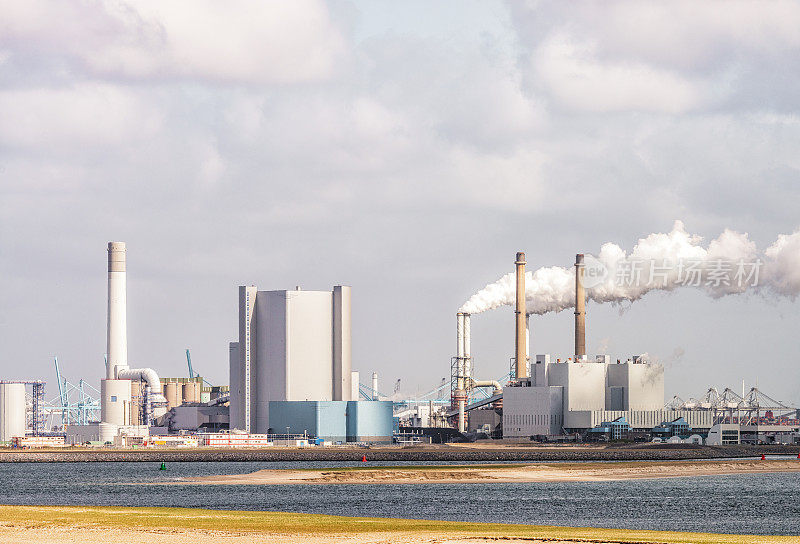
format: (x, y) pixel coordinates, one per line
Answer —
(310, 345)
(236, 372)
(539, 370)
(115, 404)
(529, 411)
(271, 354)
(369, 421)
(643, 385)
(191, 418)
(342, 348)
(354, 385)
(584, 384)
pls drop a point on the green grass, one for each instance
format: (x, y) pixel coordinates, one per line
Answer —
(311, 524)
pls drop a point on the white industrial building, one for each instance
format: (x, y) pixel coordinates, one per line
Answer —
(294, 345)
(566, 397)
(554, 398)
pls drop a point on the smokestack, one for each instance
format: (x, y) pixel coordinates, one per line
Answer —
(580, 309)
(374, 386)
(461, 364)
(520, 342)
(117, 339)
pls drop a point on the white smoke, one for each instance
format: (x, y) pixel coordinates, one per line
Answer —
(729, 264)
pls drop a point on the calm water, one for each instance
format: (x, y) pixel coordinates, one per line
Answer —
(751, 504)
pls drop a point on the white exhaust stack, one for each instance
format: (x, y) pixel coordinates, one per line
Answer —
(117, 337)
(115, 390)
(115, 401)
(374, 386)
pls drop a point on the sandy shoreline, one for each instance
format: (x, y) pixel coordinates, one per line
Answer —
(541, 472)
(118, 525)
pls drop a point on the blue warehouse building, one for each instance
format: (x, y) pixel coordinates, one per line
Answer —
(336, 421)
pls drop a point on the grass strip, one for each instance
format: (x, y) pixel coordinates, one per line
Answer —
(233, 521)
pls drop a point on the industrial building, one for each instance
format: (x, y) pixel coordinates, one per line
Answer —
(570, 396)
(291, 370)
(293, 345)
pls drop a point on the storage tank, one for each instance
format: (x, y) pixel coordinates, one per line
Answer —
(12, 411)
(191, 392)
(174, 394)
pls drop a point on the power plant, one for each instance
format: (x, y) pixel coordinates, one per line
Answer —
(576, 396)
(292, 382)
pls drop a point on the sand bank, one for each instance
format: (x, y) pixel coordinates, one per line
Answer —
(540, 472)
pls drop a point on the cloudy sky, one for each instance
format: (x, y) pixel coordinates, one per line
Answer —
(406, 149)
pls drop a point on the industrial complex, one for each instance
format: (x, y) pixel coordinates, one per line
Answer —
(292, 383)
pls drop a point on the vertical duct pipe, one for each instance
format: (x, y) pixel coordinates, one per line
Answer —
(580, 309)
(374, 386)
(460, 395)
(117, 338)
(148, 405)
(528, 336)
(467, 351)
(519, 352)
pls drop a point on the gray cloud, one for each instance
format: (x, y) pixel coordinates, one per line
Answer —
(303, 143)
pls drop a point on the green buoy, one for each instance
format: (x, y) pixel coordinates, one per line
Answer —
(163, 466)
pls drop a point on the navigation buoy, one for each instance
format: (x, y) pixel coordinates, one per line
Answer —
(763, 457)
(364, 458)
(163, 466)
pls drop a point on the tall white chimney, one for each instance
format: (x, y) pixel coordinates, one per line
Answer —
(117, 339)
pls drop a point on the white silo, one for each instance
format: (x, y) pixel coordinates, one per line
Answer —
(12, 411)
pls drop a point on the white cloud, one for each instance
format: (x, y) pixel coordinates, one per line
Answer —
(239, 41)
(80, 115)
(577, 79)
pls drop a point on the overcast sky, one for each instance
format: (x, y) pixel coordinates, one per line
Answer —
(407, 149)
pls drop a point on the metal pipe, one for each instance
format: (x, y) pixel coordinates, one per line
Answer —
(519, 339)
(148, 405)
(459, 350)
(117, 337)
(528, 336)
(467, 348)
(487, 383)
(580, 309)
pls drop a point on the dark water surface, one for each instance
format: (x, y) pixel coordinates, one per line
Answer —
(744, 504)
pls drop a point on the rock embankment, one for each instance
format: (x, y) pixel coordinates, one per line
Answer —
(649, 452)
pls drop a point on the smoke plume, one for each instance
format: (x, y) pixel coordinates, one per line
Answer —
(729, 264)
